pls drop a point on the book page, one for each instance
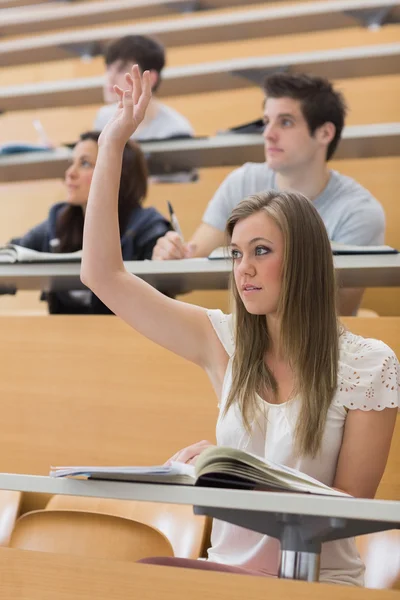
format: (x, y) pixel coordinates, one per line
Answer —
(237, 463)
(176, 472)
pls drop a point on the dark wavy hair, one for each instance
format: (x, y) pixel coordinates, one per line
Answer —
(132, 192)
(147, 52)
(320, 102)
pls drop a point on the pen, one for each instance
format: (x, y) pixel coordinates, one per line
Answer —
(174, 221)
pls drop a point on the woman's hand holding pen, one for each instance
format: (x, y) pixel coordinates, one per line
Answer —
(132, 106)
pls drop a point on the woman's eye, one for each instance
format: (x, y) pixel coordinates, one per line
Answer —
(235, 254)
(86, 163)
(260, 250)
(286, 122)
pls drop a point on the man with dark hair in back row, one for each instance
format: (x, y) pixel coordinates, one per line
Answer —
(161, 121)
(304, 117)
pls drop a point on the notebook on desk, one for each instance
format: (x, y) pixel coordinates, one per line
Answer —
(22, 148)
(217, 466)
(343, 249)
(337, 249)
(11, 254)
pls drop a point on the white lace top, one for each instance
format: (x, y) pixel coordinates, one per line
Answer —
(369, 379)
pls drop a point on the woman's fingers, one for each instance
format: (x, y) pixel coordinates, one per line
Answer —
(120, 93)
(136, 84)
(145, 96)
(190, 453)
(137, 95)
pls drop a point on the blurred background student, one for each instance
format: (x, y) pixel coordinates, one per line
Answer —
(161, 121)
(62, 231)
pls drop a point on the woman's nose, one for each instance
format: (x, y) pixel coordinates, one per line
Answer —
(71, 171)
(247, 267)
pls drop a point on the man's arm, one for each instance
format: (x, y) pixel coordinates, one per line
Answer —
(205, 239)
(362, 228)
(210, 234)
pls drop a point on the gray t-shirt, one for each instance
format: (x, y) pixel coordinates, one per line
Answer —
(350, 213)
(167, 123)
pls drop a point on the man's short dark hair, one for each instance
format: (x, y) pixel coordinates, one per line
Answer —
(320, 102)
(144, 51)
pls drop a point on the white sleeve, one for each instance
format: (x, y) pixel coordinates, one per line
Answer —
(223, 327)
(365, 227)
(369, 376)
(225, 199)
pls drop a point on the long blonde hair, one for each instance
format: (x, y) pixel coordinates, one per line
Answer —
(309, 334)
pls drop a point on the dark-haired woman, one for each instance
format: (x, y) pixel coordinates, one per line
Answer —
(62, 231)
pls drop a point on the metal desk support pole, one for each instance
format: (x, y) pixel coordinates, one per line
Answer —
(299, 565)
(300, 536)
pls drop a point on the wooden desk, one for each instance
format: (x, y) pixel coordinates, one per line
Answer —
(301, 522)
(181, 276)
(358, 141)
(199, 29)
(360, 61)
(66, 15)
(26, 575)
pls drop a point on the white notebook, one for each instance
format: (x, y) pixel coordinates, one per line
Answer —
(11, 253)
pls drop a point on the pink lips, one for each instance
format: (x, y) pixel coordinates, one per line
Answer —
(250, 289)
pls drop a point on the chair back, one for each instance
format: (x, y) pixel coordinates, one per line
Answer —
(186, 532)
(88, 534)
(380, 553)
(10, 504)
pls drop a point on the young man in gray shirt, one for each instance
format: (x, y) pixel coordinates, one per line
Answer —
(304, 118)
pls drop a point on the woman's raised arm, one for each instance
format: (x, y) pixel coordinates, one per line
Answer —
(182, 328)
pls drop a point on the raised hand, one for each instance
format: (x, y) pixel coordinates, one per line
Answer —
(132, 106)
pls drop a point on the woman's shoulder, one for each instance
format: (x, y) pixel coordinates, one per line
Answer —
(223, 327)
(355, 348)
(368, 373)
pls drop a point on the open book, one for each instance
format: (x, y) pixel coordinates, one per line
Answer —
(337, 249)
(12, 253)
(217, 466)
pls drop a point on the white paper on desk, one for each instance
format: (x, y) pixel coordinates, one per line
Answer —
(11, 254)
(176, 472)
(351, 249)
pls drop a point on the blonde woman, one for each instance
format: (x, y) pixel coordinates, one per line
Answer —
(293, 386)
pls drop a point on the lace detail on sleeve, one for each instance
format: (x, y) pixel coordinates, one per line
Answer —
(369, 375)
(223, 327)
